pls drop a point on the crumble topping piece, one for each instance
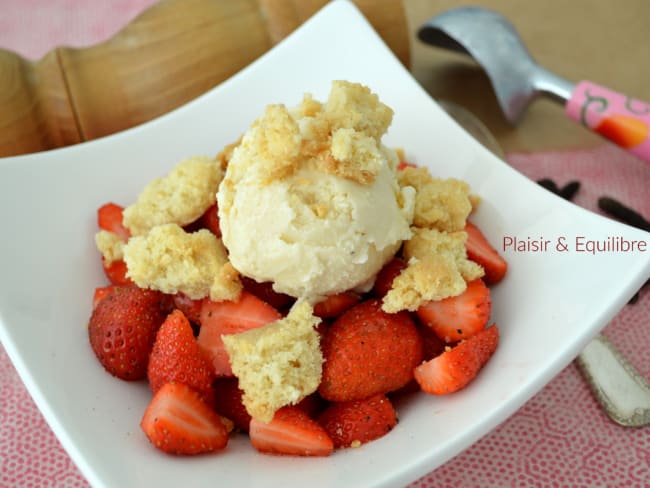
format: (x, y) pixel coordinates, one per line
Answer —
(274, 143)
(170, 260)
(341, 137)
(354, 106)
(180, 198)
(277, 364)
(110, 245)
(347, 149)
(443, 204)
(437, 268)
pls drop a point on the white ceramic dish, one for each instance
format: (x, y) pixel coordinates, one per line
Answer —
(548, 307)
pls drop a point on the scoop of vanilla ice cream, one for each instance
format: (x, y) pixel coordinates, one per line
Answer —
(310, 199)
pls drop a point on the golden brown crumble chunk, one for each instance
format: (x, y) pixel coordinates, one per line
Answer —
(171, 260)
(443, 204)
(180, 197)
(437, 268)
(354, 106)
(278, 364)
(110, 245)
(341, 137)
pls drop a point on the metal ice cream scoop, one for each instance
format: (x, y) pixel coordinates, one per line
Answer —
(517, 79)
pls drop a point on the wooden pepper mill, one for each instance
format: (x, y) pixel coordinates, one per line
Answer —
(173, 52)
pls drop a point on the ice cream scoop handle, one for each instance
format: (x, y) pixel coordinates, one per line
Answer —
(620, 118)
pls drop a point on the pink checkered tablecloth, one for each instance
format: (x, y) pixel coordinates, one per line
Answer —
(558, 438)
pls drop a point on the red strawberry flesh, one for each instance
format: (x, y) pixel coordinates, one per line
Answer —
(459, 317)
(122, 330)
(290, 432)
(368, 351)
(457, 367)
(176, 357)
(353, 423)
(177, 421)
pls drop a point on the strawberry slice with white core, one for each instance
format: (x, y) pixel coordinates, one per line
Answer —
(177, 421)
(291, 432)
(459, 317)
(224, 318)
(482, 252)
(458, 366)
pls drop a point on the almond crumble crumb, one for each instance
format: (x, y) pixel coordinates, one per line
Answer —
(171, 260)
(437, 268)
(443, 204)
(277, 364)
(180, 197)
(341, 137)
(110, 245)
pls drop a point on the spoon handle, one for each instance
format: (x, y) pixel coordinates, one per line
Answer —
(621, 390)
(620, 118)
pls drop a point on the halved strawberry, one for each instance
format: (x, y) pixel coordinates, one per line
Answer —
(334, 305)
(222, 318)
(177, 421)
(459, 317)
(291, 432)
(384, 281)
(176, 357)
(109, 217)
(353, 423)
(481, 251)
(456, 367)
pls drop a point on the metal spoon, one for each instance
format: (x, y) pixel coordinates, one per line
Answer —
(517, 79)
(619, 388)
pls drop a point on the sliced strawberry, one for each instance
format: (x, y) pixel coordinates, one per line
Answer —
(390, 271)
(228, 402)
(109, 217)
(222, 318)
(459, 317)
(189, 306)
(335, 305)
(351, 424)
(265, 292)
(456, 367)
(116, 273)
(481, 251)
(177, 421)
(290, 432)
(176, 357)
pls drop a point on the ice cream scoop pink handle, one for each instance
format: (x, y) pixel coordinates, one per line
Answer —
(621, 119)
